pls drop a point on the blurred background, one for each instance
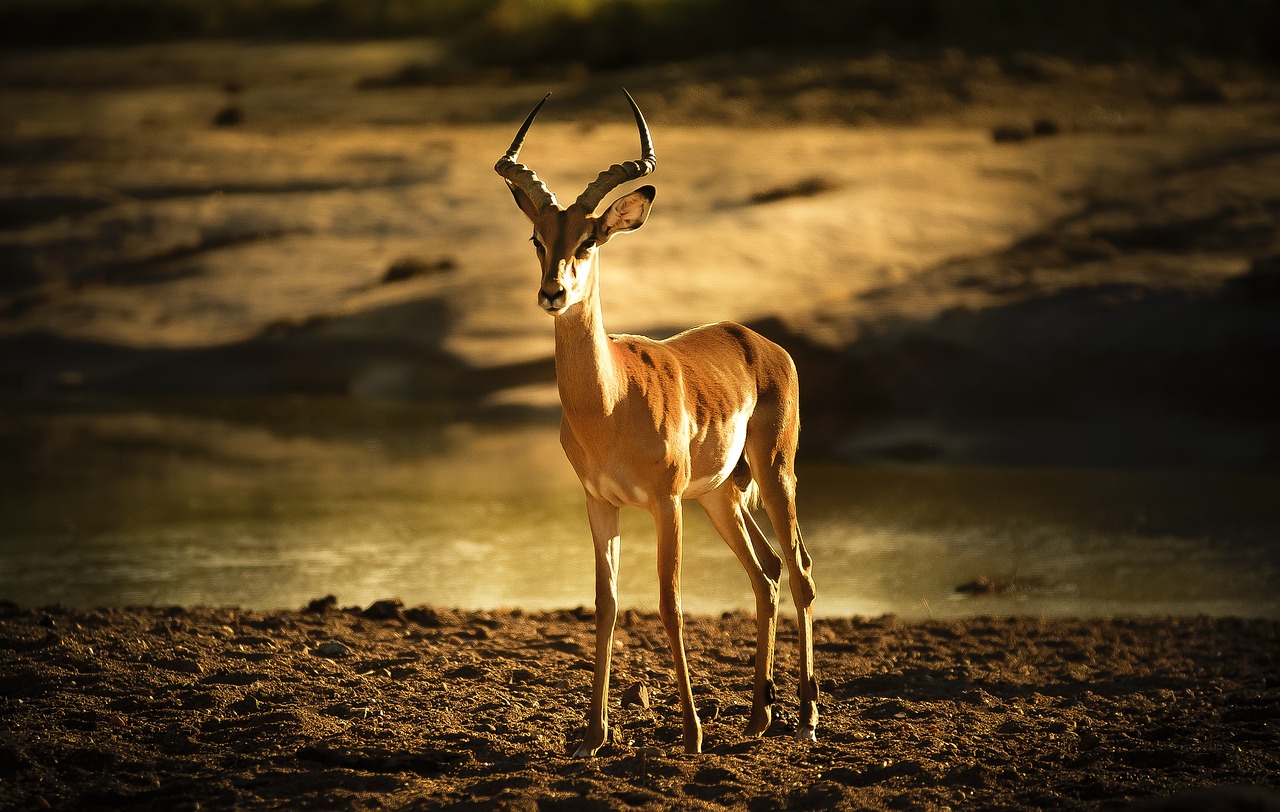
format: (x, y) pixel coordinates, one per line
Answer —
(268, 325)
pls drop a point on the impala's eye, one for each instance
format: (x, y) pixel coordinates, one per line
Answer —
(586, 247)
(537, 244)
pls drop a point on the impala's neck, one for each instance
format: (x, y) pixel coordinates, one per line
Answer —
(586, 370)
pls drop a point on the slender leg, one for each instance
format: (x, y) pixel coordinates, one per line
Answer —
(773, 571)
(802, 592)
(777, 490)
(732, 521)
(764, 553)
(666, 516)
(604, 533)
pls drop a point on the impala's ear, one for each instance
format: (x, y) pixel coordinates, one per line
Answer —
(523, 201)
(627, 213)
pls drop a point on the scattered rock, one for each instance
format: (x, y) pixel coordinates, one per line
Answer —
(249, 704)
(332, 649)
(637, 693)
(392, 609)
(468, 671)
(322, 605)
(1013, 726)
(425, 616)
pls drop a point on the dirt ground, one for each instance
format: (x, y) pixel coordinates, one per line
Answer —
(389, 707)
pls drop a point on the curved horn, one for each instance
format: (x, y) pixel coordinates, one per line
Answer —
(520, 176)
(619, 174)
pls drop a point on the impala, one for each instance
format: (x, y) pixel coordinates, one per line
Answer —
(711, 414)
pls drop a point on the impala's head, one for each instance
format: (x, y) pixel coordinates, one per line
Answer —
(567, 239)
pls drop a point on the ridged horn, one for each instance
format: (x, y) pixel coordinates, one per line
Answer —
(618, 174)
(520, 176)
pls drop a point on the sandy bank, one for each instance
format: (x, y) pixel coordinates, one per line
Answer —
(1013, 260)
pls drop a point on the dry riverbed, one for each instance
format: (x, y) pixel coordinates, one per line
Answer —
(389, 707)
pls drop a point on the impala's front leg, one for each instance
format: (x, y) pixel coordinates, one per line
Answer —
(604, 533)
(668, 520)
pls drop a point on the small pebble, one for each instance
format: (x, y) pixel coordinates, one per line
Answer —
(332, 648)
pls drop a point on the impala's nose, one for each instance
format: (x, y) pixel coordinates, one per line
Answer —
(552, 296)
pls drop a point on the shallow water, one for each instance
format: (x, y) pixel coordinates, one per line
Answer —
(237, 504)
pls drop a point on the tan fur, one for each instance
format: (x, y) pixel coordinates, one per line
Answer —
(711, 414)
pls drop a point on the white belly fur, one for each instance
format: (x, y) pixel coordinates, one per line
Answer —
(737, 438)
(607, 489)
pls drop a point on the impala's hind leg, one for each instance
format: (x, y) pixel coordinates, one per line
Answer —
(772, 458)
(727, 510)
(779, 501)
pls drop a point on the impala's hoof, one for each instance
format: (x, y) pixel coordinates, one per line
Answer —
(807, 733)
(761, 718)
(585, 751)
(591, 744)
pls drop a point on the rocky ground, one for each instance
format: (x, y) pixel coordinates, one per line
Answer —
(388, 707)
